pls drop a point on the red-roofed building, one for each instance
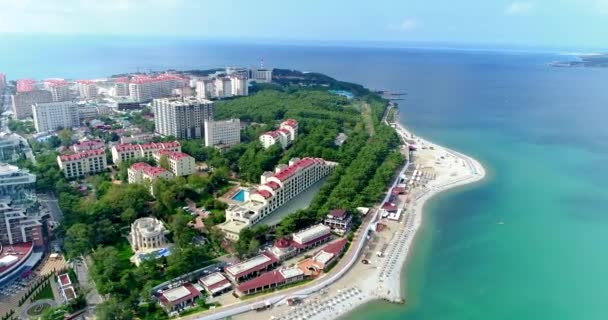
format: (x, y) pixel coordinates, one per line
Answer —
(144, 88)
(275, 190)
(215, 284)
(339, 220)
(180, 164)
(251, 267)
(124, 152)
(88, 145)
(178, 299)
(271, 280)
(87, 89)
(13, 256)
(390, 207)
(83, 162)
(285, 135)
(26, 85)
(60, 89)
(141, 172)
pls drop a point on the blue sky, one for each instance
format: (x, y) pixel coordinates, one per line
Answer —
(558, 23)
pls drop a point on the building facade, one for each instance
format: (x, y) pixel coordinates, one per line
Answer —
(147, 233)
(261, 75)
(145, 88)
(22, 102)
(276, 189)
(55, 115)
(17, 184)
(285, 135)
(11, 146)
(180, 164)
(142, 172)
(226, 133)
(83, 163)
(123, 152)
(17, 227)
(87, 89)
(339, 220)
(121, 87)
(59, 88)
(182, 118)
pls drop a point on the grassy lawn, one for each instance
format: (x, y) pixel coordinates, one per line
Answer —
(45, 293)
(38, 310)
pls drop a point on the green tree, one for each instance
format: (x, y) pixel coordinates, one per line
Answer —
(65, 136)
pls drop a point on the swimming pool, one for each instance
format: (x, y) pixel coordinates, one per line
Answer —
(239, 196)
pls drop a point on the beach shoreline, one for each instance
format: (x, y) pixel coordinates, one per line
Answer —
(449, 169)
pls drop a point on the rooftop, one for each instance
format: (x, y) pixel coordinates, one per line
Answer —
(256, 263)
(82, 154)
(179, 294)
(337, 213)
(296, 166)
(269, 278)
(311, 234)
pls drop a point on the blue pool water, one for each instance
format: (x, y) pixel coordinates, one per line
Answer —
(239, 196)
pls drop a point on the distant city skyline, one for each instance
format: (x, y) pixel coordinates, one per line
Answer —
(556, 23)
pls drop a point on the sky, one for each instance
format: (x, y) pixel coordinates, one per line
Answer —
(553, 23)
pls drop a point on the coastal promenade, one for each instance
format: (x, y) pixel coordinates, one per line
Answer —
(343, 289)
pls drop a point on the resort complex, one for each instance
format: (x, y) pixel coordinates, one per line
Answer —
(275, 189)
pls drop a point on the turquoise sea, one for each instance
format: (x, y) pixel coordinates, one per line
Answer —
(540, 132)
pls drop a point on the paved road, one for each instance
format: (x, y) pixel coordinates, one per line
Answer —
(82, 273)
(49, 202)
(340, 270)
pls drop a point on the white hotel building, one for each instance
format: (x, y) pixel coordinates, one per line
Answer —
(275, 190)
(285, 135)
(124, 152)
(147, 233)
(54, 115)
(83, 162)
(222, 87)
(222, 133)
(180, 164)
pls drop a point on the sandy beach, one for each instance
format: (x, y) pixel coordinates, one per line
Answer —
(386, 251)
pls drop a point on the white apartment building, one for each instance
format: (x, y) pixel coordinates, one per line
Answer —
(180, 164)
(60, 89)
(285, 135)
(222, 133)
(239, 85)
(83, 162)
(182, 118)
(205, 89)
(55, 115)
(276, 189)
(87, 89)
(144, 88)
(121, 87)
(22, 102)
(261, 75)
(147, 233)
(223, 87)
(142, 172)
(124, 152)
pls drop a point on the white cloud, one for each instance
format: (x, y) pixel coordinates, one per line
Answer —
(520, 8)
(409, 24)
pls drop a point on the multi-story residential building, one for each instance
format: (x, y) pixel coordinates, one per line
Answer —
(239, 85)
(147, 233)
(60, 89)
(180, 164)
(285, 135)
(87, 89)
(123, 152)
(22, 102)
(223, 87)
(339, 220)
(142, 172)
(205, 89)
(2, 81)
(83, 162)
(182, 118)
(276, 189)
(55, 115)
(121, 87)
(11, 146)
(26, 85)
(86, 145)
(16, 184)
(144, 88)
(261, 75)
(222, 133)
(17, 227)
